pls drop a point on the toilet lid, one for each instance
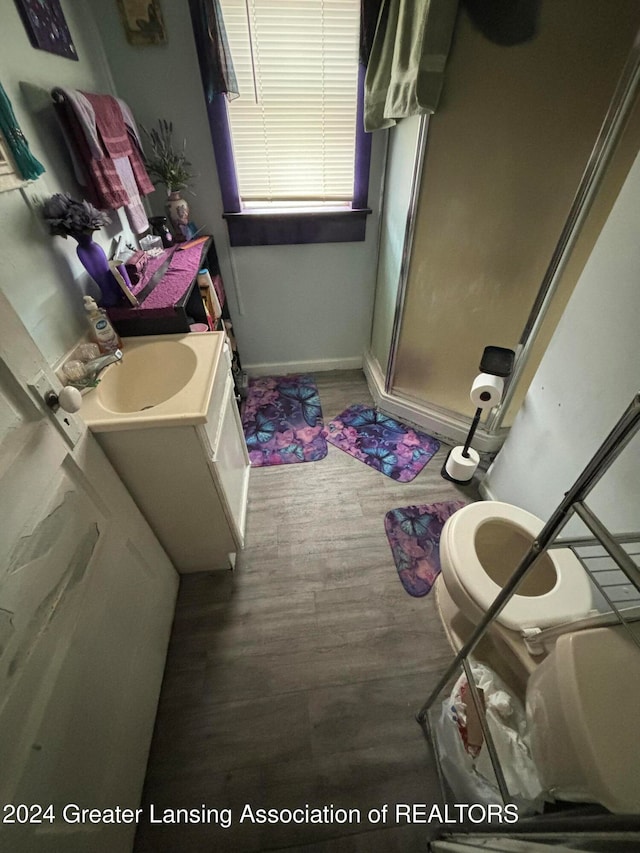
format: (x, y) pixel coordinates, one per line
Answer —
(599, 683)
(570, 597)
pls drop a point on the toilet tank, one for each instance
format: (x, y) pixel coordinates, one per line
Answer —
(582, 711)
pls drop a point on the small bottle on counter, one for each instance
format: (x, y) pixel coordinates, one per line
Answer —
(208, 292)
(102, 332)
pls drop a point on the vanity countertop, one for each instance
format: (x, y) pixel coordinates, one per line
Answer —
(163, 380)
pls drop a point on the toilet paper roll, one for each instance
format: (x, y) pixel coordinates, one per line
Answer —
(460, 467)
(486, 391)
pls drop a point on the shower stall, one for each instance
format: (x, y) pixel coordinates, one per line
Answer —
(492, 206)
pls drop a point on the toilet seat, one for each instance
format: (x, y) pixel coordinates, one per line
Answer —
(473, 590)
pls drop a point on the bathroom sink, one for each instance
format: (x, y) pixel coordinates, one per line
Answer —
(148, 375)
(163, 380)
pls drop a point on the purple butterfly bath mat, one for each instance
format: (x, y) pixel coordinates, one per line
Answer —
(414, 535)
(282, 420)
(381, 442)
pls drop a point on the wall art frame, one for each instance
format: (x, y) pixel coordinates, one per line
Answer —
(143, 22)
(47, 27)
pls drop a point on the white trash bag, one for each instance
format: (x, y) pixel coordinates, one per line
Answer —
(463, 754)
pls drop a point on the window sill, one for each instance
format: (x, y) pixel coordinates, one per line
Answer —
(295, 227)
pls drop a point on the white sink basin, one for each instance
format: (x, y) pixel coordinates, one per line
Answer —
(148, 375)
(163, 380)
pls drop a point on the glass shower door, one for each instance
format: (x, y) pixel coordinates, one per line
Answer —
(505, 155)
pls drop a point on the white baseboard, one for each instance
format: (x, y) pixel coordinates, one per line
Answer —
(284, 367)
(443, 425)
(485, 491)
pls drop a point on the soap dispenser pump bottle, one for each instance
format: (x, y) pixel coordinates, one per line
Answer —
(102, 331)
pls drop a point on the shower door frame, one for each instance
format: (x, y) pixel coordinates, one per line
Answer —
(492, 433)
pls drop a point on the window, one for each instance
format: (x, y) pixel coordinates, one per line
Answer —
(292, 158)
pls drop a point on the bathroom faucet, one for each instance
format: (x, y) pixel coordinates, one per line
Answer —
(90, 370)
(95, 367)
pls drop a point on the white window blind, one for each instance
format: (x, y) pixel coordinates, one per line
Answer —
(293, 125)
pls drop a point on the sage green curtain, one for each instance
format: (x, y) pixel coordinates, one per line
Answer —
(408, 58)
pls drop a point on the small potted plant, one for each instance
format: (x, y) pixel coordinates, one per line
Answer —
(67, 217)
(169, 166)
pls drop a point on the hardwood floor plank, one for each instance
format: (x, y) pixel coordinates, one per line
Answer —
(363, 715)
(295, 679)
(231, 735)
(394, 839)
(325, 659)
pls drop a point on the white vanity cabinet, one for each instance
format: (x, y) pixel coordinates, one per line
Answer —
(191, 480)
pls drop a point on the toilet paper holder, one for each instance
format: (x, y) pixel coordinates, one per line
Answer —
(498, 361)
(495, 366)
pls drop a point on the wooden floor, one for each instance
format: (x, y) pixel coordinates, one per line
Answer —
(295, 679)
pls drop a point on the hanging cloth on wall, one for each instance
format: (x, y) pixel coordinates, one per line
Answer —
(101, 183)
(212, 46)
(369, 14)
(28, 166)
(104, 145)
(408, 57)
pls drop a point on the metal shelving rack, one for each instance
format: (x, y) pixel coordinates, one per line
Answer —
(572, 503)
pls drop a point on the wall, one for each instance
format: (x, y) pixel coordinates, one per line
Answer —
(586, 379)
(294, 307)
(505, 153)
(612, 181)
(401, 155)
(41, 275)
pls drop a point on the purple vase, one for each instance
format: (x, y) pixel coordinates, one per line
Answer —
(94, 260)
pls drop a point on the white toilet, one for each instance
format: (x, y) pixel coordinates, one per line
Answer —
(483, 543)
